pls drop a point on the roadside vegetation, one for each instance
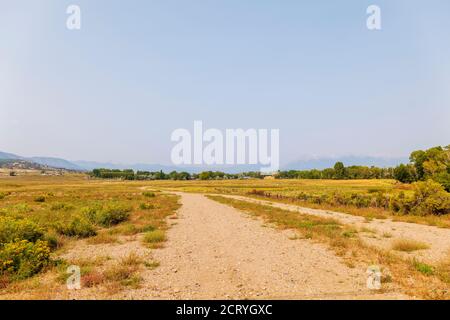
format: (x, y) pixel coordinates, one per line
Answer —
(431, 282)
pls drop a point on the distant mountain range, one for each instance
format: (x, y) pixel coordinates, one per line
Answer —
(306, 164)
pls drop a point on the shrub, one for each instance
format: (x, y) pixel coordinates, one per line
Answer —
(61, 206)
(19, 229)
(146, 206)
(91, 212)
(78, 227)
(23, 259)
(148, 194)
(54, 240)
(20, 208)
(430, 198)
(39, 199)
(112, 215)
(92, 279)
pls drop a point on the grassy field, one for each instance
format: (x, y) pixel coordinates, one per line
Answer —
(42, 218)
(367, 198)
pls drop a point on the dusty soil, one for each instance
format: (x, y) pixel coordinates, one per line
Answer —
(385, 231)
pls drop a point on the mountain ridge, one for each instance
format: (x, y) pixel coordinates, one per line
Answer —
(306, 164)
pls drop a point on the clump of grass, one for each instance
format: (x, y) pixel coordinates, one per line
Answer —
(103, 238)
(92, 279)
(54, 240)
(146, 206)
(152, 264)
(131, 260)
(387, 235)
(126, 272)
(3, 195)
(149, 194)
(350, 233)
(406, 245)
(154, 238)
(148, 228)
(424, 268)
(39, 199)
(61, 206)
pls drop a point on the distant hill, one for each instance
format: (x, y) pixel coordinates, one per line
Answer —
(4, 155)
(306, 164)
(42, 162)
(57, 163)
(15, 164)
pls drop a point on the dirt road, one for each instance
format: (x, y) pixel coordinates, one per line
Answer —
(383, 232)
(217, 252)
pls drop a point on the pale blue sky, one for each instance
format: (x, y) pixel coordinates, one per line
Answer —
(137, 70)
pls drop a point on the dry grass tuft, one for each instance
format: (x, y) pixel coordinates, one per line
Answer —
(406, 245)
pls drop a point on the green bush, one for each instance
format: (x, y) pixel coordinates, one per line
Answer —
(112, 215)
(78, 227)
(149, 194)
(61, 206)
(19, 229)
(39, 199)
(429, 198)
(23, 259)
(146, 206)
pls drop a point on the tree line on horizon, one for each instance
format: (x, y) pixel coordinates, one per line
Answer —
(129, 174)
(433, 164)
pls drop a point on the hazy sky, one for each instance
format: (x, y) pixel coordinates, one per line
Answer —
(137, 70)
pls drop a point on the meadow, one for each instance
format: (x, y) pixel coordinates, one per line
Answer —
(44, 220)
(43, 217)
(370, 198)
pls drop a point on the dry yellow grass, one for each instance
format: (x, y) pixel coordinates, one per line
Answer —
(407, 245)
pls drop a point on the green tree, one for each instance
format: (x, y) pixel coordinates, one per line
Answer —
(405, 173)
(339, 170)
